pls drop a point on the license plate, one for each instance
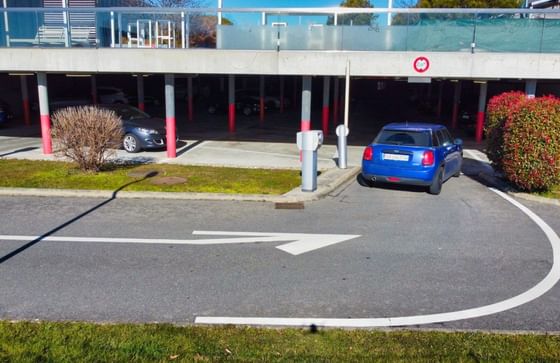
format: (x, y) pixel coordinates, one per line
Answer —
(396, 157)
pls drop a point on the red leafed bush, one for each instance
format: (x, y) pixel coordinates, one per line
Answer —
(499, 110)
(531, 144)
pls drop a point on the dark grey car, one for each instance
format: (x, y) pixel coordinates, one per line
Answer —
(141, 131)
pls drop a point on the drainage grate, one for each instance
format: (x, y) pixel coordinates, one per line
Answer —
(295, 205)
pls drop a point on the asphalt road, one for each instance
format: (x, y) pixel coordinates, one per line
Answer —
(417, 254)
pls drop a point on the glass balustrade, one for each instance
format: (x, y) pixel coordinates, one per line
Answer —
(455, 30)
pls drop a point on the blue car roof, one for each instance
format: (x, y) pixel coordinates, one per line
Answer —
(413, 126)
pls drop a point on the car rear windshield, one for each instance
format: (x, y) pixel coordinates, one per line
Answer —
(403, 137)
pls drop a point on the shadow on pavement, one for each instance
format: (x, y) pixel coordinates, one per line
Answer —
(22, 150)
(73, 220)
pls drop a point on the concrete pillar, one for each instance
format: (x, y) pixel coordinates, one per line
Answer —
(44, 112)
(25, 100)
(282, 105)
(336, 101)
(481, 111)
(93, 91)
(140, 92)
(306, 103)
(531, 88)
(190, 110)
(456, 103)
(170, 122)
(231, 103)
(326, 102)
(261, 100)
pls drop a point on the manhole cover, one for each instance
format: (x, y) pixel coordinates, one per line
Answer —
(142, 173)
(168, 180)
(289, 205)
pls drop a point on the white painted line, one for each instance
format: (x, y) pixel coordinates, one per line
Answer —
(536, 291)
(302, 242)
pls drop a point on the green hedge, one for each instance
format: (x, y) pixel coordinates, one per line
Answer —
(524, 139)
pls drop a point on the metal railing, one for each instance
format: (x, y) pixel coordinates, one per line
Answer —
(328, 29)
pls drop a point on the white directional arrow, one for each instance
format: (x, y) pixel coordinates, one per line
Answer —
(301, 242)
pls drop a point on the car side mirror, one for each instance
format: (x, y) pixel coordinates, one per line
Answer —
(458, 142)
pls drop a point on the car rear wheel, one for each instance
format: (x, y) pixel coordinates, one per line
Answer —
(131, 143)
(435, 188)
(364, 182)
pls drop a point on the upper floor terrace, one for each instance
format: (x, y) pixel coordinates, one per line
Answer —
(468, 43)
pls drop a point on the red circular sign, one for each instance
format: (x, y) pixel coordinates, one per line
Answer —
(421, 64)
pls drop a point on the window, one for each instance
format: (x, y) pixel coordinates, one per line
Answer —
(403, 137)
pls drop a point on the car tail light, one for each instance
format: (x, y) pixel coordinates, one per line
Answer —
(428, 158)
(368, 153)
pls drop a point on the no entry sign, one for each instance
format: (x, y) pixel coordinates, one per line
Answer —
(421, 64)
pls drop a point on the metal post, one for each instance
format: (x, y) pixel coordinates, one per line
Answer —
(261, 100)
(481, 109)
(220, 6)
(190, 98)
(44, 112)
(6, 25)
(342, 131)
(336, 101)
(389, 14)
(66, 21)
(281, 94)
(140, 92)
(306, 103)
(326, 102)
(231, 103)
(112, 29)
(347, 95)
(183, 29)
(531, 88)
(170, 123)
(93, 89)
(25, 100)
(456, 102)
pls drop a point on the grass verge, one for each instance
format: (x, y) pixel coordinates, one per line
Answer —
(554, 193)
(85, 342)
(203, 179)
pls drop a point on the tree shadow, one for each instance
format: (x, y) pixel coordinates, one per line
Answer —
(73, 220)
(22, 150)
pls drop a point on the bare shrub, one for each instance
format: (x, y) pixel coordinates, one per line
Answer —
(87, 135)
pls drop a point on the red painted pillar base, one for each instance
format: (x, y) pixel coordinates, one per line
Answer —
(479, 126)
(305, 125)
(190, 108)
(46, 134)
(141, 106)
(326, 112)
(454, 116)
(26, 113)
(231, 118)
(171, 137)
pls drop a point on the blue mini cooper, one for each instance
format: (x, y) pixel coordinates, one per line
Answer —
(413, 154)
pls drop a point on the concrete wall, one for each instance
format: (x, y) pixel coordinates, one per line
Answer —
(380, 64)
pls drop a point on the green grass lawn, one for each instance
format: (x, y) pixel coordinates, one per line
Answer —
(84, 342)
(553, 193)
(54, 174)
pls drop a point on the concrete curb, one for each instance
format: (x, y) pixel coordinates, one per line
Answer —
(501, 185)
(327, 182)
